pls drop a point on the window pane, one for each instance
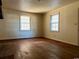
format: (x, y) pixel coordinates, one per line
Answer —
(25, 23)
(54, 18)
(55, 22)
(57, 27)
(54, 27)
(25, 19)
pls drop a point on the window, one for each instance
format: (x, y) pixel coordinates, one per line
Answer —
(54, 23)
(25, 23)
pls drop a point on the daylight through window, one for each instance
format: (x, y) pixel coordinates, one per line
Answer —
(54, 23)
(25, 23)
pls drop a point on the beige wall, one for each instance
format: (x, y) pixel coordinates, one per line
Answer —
(68, 24)
(78, 26)
(9, 26)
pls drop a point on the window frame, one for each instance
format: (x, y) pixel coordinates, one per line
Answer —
(58, 22)
(20, 23)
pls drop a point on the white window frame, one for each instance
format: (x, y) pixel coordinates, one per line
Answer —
(55, 23)
(21, 24)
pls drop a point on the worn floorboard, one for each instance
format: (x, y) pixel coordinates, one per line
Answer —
(37, 48)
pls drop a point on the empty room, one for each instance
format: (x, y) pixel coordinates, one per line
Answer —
(39, 29)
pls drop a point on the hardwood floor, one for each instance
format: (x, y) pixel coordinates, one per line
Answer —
(37, 48)
(8, 57)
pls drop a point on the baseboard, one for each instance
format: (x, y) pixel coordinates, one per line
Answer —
(10, 39)
(60, 42)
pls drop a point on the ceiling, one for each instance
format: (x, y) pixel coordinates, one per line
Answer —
(35, 6)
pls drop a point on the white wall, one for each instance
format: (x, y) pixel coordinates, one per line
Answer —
(68, 24)
(9, 26)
